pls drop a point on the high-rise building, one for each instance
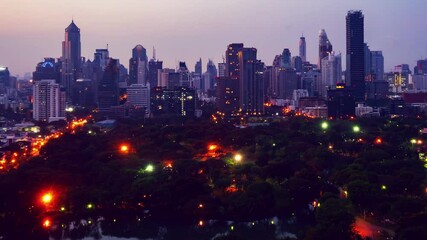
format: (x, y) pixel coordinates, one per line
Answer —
(4, 79)
(108, 87)
(232, 60)
(377, 65)
(85, 93)
(154, 66)
(184, 75)
(286, 59)
(213, 73)
(368, 66)
(355, 58)
(331, 72)
(49, 101)
(138, 65)
(48, 69)
(297, 63)
(302, 49)
(139, 96)
(179, 101)
(421, 67)
(325, 47)
(341, 103)
(221, 70)
(198, 67)
(286, 83)
(251, 82)
(71, 58)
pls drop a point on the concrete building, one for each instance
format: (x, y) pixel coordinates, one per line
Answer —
(49, 101)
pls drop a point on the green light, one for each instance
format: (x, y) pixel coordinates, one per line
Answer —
(383, 187)
(324, 125)
(89, 206)
(149, 168)
(232, 228)
(356, 129)
(413, 140)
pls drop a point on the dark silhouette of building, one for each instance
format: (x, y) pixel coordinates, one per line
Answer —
(302, 49)
(251, 94)
(48, 69)
(84, 93)
(341, 102)
(325, 47)
(138, 65)
(71, 58)
(108, 88)
(232, 60)
(227, 95)
(153, 71)
(180, 101)
(4, 79)
(355, 54)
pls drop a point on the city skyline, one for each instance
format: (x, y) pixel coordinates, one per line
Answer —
(190, 30)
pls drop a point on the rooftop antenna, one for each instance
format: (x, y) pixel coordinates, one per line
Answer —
(107, 46)
(154, 53)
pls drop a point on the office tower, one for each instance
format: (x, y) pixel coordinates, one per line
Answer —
(377, 65)
(48, 69)
(286, 83)
(286, 59)
(251, 85)
(177, 102)
(341, 102)
(227, 95)
(325, 47)
(297, 63)
(198, 67)
(367, 55)
(212, 71)
(232, 60)
(221, 69)
(154, 66)
(4, 79)
(108, 87)
(49, 101)
(101, 57)
(331, 72)
(139, 96)
(421, 67)
(184, 76)
(85, 92)
(355, 69)
(138, 65)
(71, 58)
(302, 49)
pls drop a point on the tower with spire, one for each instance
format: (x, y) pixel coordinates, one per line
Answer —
(71, 58)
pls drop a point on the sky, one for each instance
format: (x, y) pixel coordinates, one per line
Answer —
(185, 30)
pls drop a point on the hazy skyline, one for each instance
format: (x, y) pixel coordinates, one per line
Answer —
(188, 29)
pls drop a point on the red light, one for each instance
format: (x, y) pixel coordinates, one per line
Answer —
(47, 198)
(212, 147)
(47, 223)
(124, 148)
(378, 141)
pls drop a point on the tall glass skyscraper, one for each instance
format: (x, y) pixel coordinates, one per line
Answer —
(71, 58)
(325, 47)
(355, 58)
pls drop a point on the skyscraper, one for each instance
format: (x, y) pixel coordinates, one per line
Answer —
(232, 60)
(198, 67)
(325, 47)
(377, 65)
(302, 49)
(4, 79)
(71, 58)
(108, 88)
(251, 82)
(355, 69)
(286, 58)
(213, 73)
(49, 101)
(138, 65)
(331, 72)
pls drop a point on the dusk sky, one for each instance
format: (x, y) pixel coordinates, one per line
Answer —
(185, 30)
